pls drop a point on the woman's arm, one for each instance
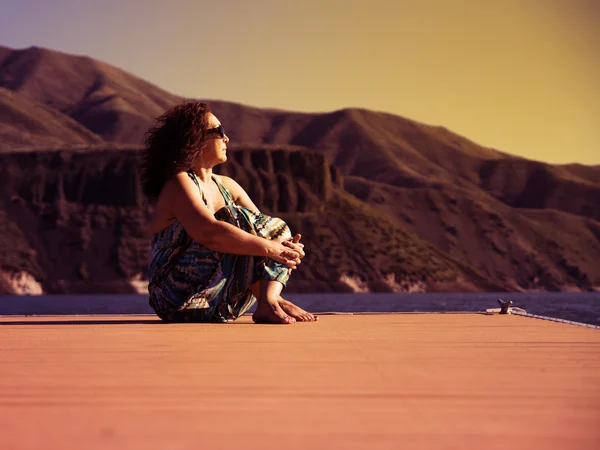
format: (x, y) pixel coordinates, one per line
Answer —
(241, 198)
(185, 202)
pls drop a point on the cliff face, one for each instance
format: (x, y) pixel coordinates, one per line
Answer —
(74, 220)
(81, 215)
(282, 179)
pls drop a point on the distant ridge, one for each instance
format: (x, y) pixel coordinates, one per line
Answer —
(26, 123)
(110, 102)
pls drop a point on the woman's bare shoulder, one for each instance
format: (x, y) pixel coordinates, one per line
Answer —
(172, 190)
(230, 184)
(223, 179)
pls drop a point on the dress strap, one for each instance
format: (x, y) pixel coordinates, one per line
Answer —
(192, 175)
(224, 192)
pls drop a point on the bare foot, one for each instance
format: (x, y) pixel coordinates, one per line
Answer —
(296, 312)
(271, 313)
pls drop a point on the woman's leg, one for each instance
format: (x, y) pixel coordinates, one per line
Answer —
(268, 310)
(268, 277)
(273, 294)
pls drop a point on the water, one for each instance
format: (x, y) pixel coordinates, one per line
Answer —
(578, 307)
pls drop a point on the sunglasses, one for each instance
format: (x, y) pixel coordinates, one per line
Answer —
(219, 130)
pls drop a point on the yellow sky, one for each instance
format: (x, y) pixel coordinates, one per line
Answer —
(521, 76)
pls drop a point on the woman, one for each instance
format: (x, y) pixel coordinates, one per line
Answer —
(213, 253)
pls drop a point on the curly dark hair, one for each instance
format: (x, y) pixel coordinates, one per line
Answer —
(172, 145)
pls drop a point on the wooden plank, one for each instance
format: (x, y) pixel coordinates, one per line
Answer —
(379, 381)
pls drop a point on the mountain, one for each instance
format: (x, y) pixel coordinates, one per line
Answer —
(117, 106)
(496, 221)
(26, 123)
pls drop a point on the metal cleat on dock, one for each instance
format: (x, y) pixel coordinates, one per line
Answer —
(505, 308)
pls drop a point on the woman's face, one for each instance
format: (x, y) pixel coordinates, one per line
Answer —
(214, 150)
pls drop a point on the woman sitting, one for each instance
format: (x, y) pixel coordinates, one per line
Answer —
(213, 253)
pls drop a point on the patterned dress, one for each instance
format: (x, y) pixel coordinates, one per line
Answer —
(191, 283)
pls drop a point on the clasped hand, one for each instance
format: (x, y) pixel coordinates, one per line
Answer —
(293, 252)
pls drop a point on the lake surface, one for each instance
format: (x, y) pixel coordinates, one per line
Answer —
(578, 307)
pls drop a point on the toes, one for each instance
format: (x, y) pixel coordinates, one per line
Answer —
(289, 319)
(305, 317)
(282, 315)
(298, 314)
(272, 315)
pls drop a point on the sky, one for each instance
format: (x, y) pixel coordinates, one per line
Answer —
(520, 76)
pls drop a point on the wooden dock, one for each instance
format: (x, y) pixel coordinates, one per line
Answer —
(410, 381)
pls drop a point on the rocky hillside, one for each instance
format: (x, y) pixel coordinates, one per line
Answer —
(74, 220)
(382, 200)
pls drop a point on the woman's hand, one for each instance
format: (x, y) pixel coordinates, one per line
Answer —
(280, 251)
(294, 243)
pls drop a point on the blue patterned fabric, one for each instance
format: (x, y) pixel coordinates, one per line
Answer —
(191, 283)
